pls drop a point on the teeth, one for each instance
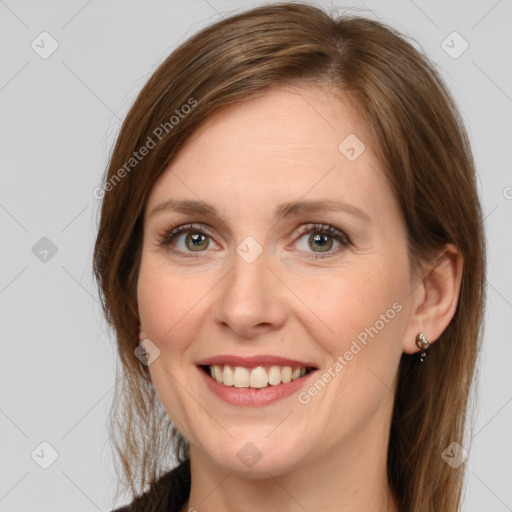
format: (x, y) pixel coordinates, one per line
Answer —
(217, 374)
(286, 374)
(274, 375)
(241, 377)
(258, 377)
(226, 376)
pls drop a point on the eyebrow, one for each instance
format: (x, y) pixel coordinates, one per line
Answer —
(289, 209)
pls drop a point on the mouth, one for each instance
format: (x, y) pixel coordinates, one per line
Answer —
(257, 377)
(255, 380)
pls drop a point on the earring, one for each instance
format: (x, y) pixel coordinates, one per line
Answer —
(423, 343)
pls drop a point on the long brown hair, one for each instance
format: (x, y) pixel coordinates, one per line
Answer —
(424, 149)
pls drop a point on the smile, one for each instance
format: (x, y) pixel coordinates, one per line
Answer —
(255, 380)
(258, 377)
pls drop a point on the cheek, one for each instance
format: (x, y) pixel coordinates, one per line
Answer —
(153, 296)
(162, 301)
(171, 307)
(167, 318)
(357, 310)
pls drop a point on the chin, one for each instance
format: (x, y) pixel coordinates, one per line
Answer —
(257, 456)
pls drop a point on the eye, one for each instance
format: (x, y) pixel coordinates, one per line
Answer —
(196, 239)
(321, 237)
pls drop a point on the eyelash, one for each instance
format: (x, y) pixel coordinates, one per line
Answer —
(166, 238)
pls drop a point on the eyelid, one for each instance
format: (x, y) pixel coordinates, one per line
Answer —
(323, 227)
(178, 228)
(169, 234)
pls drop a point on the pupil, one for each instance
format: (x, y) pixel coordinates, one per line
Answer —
(321, 240)
(196, 237)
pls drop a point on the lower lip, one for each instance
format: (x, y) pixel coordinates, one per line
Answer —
(253, 396)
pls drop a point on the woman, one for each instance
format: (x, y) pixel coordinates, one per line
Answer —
(291, 254)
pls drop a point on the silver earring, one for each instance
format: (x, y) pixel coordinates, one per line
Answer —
(423, 343)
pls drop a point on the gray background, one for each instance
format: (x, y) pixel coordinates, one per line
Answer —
(59, 118)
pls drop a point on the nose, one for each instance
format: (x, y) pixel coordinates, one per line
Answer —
(252, 298)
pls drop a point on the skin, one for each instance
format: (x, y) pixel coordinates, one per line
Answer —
(328, 454)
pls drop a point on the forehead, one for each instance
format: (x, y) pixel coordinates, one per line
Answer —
(283, 145)
(287, 121)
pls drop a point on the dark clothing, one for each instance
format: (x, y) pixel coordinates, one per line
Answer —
(168, 494)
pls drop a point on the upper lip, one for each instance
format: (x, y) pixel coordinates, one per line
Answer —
(253, 361)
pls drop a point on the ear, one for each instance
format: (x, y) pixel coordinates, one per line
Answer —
(435, 298)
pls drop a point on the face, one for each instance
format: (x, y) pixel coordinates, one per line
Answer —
(251, 290)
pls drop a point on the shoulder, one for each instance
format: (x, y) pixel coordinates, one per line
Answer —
(167, 494)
